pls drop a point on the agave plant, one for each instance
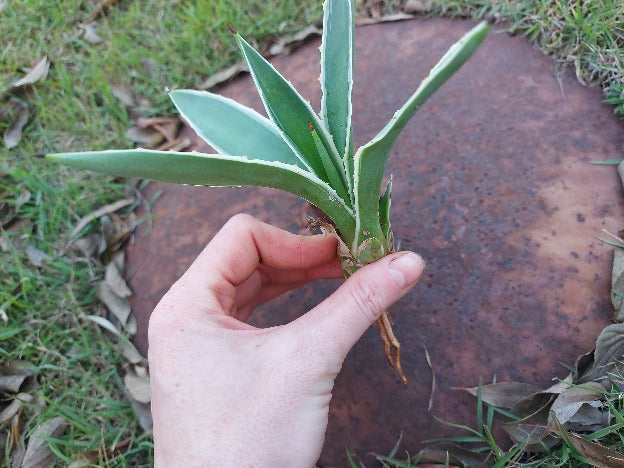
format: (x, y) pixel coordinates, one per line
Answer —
(295, 149)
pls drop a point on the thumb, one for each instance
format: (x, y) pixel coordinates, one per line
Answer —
(344, 316)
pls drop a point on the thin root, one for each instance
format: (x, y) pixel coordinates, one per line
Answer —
(391, 343)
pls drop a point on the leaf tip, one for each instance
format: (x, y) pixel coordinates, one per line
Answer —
(232, 29)
(491, 20)
(39, 155)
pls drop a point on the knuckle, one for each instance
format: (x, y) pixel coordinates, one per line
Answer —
(241, 220)
(365, 299)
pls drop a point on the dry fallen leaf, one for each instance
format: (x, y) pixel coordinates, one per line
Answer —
(503, 394)
(124, 94)
(110, 208)
(384, 19)
(579, 408)
(90, 33)
(608, 357)
(23, 198)
(143, 413)
(617, 284)
(224, 75)
(286, 45)
(147, 137)
(115, 281)
(36, 256)
(417, 6)
(13, 134)
(137, 383)
(128, 350)
(446, 452)
(36, 73)
(17, 376)
(598, 455)
(532, 430)
(119, 307)
(38, 453)
(149, 66)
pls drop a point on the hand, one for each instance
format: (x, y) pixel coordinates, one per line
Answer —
(225, 393)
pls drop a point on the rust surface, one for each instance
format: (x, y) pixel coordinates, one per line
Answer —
(491, 185)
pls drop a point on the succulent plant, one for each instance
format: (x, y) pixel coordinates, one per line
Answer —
(295, 149)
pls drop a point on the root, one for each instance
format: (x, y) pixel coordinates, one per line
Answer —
(392, 347)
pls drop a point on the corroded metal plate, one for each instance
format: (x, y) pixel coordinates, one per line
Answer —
(492, 187)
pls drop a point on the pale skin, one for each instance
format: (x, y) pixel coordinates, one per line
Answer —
(225, 393)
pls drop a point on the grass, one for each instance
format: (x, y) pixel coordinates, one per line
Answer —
(74, 109)
(587, 35)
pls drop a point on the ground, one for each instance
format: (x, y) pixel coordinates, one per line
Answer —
(47, 290)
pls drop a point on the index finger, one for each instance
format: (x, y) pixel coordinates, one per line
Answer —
(243, 243)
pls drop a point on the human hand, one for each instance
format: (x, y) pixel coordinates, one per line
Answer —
(225, 393)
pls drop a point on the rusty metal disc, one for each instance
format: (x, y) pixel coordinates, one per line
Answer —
(492, 186)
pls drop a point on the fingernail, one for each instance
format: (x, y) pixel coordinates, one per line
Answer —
(406, 269)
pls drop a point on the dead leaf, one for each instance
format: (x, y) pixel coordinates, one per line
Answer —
(143, 413)
(598, 455)
(36, 73)
(608, 357)
(119, 259)
(90, 33)
(38, 453)
(224, 75)
(417, 6)
(532, 430)
(384, 19)
(119, 307)
(617, 284)
(110, 208)
(92, 245)
(14, 407)
(286, 45)
(115, 281)
(17, 456)
(137, 383)
(36, 256)
(17, 376)
(13, 134)
(124, 94)
(149, 66)
(146, 137)
(104, 323)
(579, 408)
(145, 122)
(103, 8)
(175, 145)
(3, 315)
(169, 131)
(433, 379)
(503, 394)
(445, 452)
(128, 350)
(22, 199)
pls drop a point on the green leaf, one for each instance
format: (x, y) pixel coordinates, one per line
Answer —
(332, 173)
(216, 170)
(608, 162)
(370, 159)
(337, 75)
(290, 112)
(384, 211)
(231, 128)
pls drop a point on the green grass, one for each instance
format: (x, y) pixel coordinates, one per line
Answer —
(587, 35)
(74, 109)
